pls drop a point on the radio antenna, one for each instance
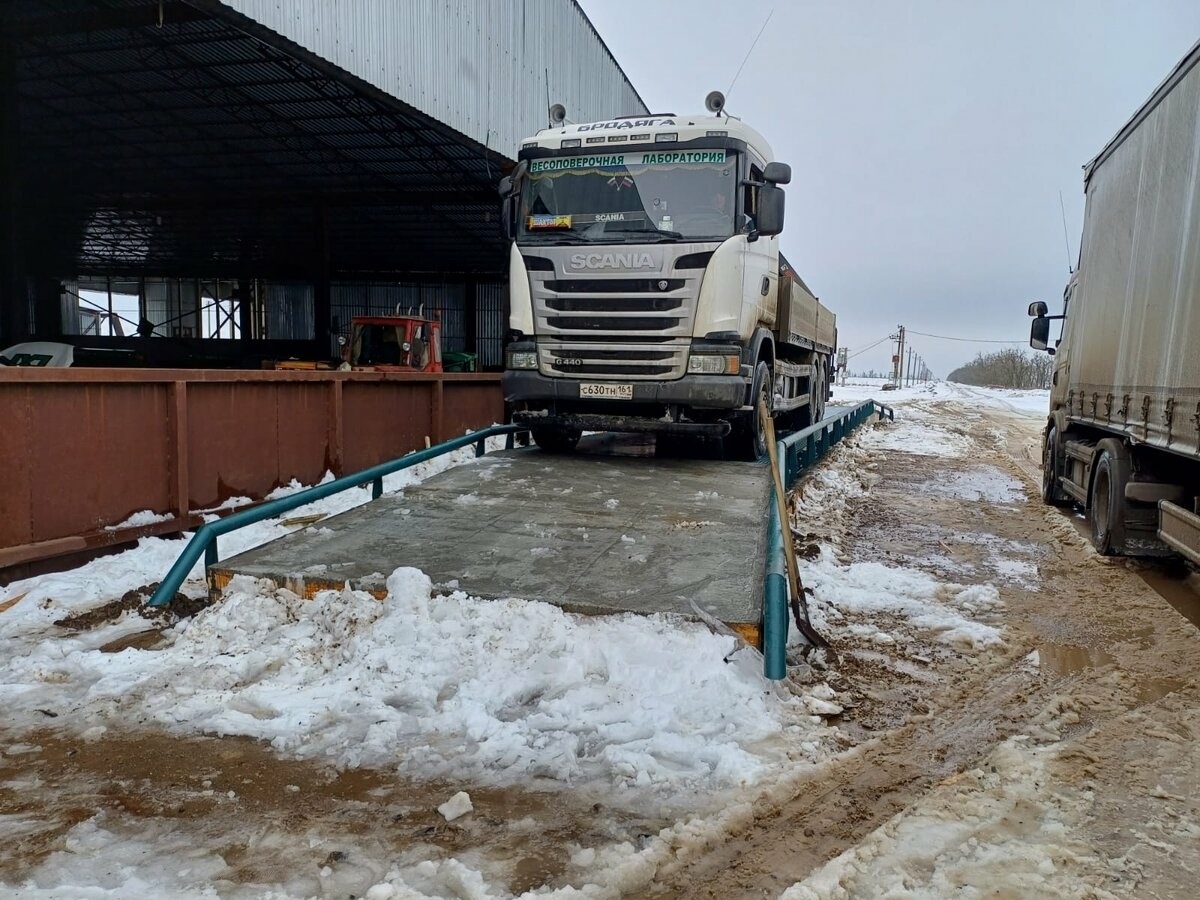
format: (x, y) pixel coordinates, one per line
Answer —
(748, 52)
(1066, 239)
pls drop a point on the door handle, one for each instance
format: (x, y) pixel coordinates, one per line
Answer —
(766, 285)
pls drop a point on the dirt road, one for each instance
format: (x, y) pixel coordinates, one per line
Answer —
(1066, 764)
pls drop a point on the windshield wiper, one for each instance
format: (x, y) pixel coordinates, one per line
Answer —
(665, 235)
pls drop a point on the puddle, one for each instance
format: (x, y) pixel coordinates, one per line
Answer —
(1067, 659)
(1156, 689)
(1177, 587)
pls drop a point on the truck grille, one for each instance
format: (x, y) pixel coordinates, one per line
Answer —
(614, 327)
(604, 360)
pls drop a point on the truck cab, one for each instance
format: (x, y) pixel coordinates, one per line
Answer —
(644, 272)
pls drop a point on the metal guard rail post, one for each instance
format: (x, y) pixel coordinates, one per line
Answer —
(797, 452)
(204, 540)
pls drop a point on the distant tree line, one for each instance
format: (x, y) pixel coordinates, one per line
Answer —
(1011, 368)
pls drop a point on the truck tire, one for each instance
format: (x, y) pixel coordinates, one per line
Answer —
(820, 391)
(1106, 506)
(1052, 469)
(748, 440)
(556, 440)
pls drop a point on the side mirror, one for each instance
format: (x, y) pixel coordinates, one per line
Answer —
(1038, 308)
(778, 173)
(506, 186)
(508, 217)
(770, 210)
(1039, 333)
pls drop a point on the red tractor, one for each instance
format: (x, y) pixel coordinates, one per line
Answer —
(395, 343)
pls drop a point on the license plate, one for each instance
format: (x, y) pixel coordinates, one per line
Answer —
(607, 391)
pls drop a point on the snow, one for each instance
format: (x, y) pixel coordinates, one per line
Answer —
(997, 825)
(946, 610)
(1024, 402)
(139, 519)
(456, 807)
(431, 686)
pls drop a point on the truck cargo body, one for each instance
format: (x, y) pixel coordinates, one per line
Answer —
(1123, 436)
(647, 291)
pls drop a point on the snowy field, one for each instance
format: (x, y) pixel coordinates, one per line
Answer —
(641, 713)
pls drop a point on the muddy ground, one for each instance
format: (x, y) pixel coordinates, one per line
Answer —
(1098, 671)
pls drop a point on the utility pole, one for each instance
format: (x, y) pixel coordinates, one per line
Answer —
(908, 369)
(898, 359)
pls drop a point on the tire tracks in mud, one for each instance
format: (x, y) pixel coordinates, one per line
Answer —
(839, 803)
(1108, 672)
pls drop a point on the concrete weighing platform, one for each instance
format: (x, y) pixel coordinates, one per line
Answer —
(611, 528)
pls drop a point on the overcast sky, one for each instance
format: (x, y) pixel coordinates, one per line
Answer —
(928, 140)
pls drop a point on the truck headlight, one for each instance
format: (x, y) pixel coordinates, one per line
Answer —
(713, 364)
(522, 359)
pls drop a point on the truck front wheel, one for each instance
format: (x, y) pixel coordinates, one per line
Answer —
(1107, 507)
(556, 440)
(1052, 467)
(748, 442)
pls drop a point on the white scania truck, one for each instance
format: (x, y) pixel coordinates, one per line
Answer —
(646, 288)
(1122, 437)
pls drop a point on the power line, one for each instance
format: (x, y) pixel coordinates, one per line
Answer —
(887, 337)
(946, 337)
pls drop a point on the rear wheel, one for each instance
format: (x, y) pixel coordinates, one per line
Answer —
(556, 440)
(819, 392)
(1107, 507)
(748, 441)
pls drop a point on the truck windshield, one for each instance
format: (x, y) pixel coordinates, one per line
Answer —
(629, 197)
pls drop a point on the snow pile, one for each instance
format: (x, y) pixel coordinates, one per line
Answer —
(498, 691)
(949, 611)
(989, 827)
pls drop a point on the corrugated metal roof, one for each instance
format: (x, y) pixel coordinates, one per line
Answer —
(484, 69)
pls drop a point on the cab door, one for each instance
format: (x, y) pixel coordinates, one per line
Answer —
(761, 270)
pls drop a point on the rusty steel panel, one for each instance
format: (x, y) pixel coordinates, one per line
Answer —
(16, 487)
(96, 454)
(383, 420)
(469, 405)
(83, 449)
(247, 438)
(84, 457)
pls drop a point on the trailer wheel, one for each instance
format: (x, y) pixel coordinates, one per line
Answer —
(820, 391)
(748, 441)
(1052, 468)
(556, 440)
(1106, 508)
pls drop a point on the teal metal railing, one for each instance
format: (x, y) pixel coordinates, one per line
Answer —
(204, 541)
(797, 452)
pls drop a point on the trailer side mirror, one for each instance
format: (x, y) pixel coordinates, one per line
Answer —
(770, 210)
(1039, 333)
(1038, 308)
(777, 173)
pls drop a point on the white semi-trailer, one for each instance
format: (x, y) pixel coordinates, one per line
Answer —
(1123, 435)
(646, 288)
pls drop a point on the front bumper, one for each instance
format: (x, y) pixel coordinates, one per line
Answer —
(707, 392)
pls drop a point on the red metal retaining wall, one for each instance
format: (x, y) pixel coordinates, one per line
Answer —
(82, 449)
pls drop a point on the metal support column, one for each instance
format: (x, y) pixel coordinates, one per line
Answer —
(15, 324)
(322, 324)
